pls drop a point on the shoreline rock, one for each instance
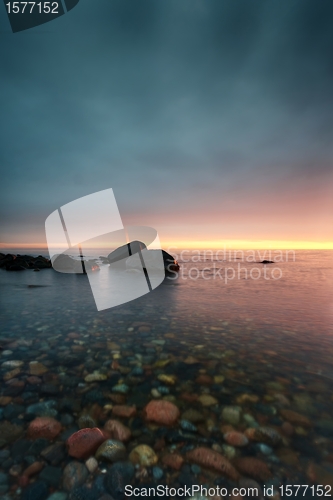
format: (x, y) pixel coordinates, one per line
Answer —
(12, 262)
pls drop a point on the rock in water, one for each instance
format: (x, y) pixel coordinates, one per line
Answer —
(118, 476)
(9, 432)
(143, 455)
(84, 443)
(157, 473)
(264, 434)
(37, 368)
(35, 491)
(95, 377)
(253, 467)
(74, 475)
(231, 414)
(124, 411)
(186, 425)
(44, 427)
(117, 430)
(43, 409)
(235, 438)
(207, 400)
(295, 418)
(120, 388)
(205, 457)
(167, 379)
(320, 475)
(162, 412)
(86, 421)
(126, 251)
(193, 415)
(54, 454)
(91, 464)
(12, 364)
(173, 460)
(111, 451)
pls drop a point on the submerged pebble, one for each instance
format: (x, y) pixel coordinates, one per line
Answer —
(192, 401)
(111, 450)
(143, 455)
(186, 425)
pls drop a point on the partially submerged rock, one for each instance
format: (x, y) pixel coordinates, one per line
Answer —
(18, 262)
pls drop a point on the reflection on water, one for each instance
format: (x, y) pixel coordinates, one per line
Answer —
(240, 354)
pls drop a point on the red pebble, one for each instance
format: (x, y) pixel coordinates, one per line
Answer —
(84, 443)
(23, 481)
(162, 412)
(44, 427)
(235, 438)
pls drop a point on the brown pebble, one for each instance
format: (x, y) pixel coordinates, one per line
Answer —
(15, 470)
(5, 400)
(73, 335)
(124, 411)
(287, 429)
(11, 374)
(204, 379)
(173, 460)
(117, 430)
(33, 380)
(33, 469)
(159, 444)
(44, 427)
(295, 418)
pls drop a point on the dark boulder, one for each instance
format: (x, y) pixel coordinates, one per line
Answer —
(121, 254)
(65, 264)
(20, 262)
(170, 263)
(15, 267)
(126, 251)
(42, 264)
(6, 260)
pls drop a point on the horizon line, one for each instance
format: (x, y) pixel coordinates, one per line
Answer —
(207, 244)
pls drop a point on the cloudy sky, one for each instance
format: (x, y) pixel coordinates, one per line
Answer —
(212, 120)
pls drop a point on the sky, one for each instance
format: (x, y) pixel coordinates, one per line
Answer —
(211, 120)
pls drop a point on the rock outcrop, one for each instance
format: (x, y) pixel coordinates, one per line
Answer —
(12, 262)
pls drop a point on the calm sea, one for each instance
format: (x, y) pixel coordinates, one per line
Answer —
(265, 331)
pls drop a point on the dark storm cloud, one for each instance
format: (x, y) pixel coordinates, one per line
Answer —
(164, 101)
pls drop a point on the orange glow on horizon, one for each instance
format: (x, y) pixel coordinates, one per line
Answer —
(208, 244)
